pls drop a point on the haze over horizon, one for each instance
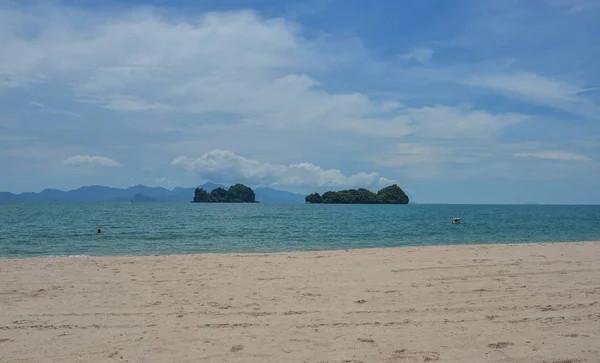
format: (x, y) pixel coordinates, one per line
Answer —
(456, 102)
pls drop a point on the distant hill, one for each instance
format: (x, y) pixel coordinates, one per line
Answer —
(238, 193)
(392, 194)
(139, 193)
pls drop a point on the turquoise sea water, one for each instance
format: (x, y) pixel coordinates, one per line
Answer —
(65, 229)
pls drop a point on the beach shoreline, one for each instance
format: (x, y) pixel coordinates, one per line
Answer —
(275, 253)
(519, 302)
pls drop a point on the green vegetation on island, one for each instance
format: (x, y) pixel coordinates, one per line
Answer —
(238, 193)
(392, 194)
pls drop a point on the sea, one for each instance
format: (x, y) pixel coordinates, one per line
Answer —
(70, 229)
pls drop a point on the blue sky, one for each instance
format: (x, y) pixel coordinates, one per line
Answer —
(456, 101)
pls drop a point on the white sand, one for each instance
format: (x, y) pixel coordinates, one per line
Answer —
(495, 303)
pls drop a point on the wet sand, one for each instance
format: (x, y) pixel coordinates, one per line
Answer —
(472, 303)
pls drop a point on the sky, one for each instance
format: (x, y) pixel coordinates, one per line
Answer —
(466, 101)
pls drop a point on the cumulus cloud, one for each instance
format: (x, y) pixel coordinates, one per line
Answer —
(225, 166)
(143, 59)
(221, 63)
(234, 63)
(81, 160)
(553, 155)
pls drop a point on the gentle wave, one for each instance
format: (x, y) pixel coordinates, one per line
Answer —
(59, 230)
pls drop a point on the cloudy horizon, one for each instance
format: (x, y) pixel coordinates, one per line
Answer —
(471, 102)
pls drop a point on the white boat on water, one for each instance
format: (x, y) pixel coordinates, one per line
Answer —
(456, 220)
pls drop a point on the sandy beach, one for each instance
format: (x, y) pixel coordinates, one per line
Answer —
(477, 303)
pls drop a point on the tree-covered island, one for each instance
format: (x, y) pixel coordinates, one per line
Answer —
(392, 194)
(238, 193)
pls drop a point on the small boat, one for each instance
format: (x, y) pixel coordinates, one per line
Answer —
(456, 220)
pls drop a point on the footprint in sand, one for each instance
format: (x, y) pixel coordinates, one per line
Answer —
(22, 322)
(114, 354)
(408, 355)
(237, 348)
(310, 294)
(500, 345)
(363, 340)
(216, 305)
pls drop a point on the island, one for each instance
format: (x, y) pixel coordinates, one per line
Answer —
(392, 194)
(238, 193)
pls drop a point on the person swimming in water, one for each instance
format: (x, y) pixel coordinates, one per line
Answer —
(99, 230)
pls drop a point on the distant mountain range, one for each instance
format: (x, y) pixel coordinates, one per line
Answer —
(140, 193)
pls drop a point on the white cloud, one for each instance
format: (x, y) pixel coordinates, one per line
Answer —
(61, 112)
(80, 160)
(539, 89)
(142, 58)
(130, 103)
(37, 104)
(226, 63)
(43, 109)
(404, 154)
(440, 122)
(455, 122)
(420, 54)
(233, 63)
(225, 166)
(553, 155)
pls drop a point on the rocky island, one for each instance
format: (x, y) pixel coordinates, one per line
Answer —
(238, 193)
(392, 194)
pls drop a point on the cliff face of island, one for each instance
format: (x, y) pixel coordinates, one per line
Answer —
(388, 195)
(238, 193)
